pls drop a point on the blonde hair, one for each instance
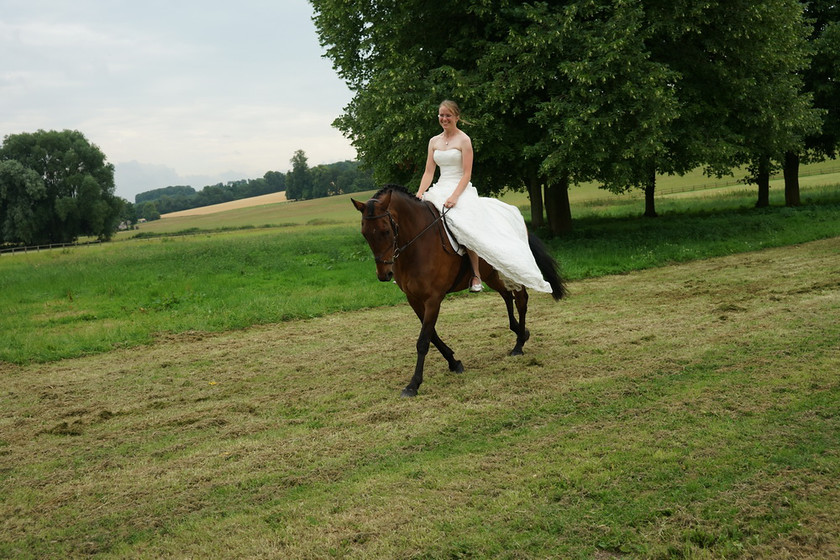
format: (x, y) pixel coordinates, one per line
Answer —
(456, 110)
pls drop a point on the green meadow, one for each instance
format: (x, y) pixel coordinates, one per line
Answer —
(227, 386)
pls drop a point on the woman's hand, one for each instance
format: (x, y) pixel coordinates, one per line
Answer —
(451, 201)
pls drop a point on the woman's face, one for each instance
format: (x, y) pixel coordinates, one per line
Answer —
(447, 118)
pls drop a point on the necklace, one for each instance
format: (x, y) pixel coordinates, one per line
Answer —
(445, 140)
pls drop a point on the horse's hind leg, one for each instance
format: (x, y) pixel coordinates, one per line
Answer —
(445, 351)
(520, 298)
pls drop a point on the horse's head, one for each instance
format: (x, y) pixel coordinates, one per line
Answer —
(380, 230)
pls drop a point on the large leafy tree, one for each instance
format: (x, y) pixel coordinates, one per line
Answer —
(67, 182)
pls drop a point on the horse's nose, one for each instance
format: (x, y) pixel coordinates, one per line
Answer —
(386, 277)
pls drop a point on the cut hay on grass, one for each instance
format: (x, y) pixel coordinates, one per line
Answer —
(690, 411)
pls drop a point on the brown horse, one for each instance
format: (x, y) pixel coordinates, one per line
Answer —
(410, 246)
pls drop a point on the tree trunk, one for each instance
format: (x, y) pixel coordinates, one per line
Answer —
(535, 195)
(557, 207)
(763, 180)
(650, 199)
(792, 179)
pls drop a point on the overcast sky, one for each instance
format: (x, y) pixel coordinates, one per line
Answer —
(173, 91)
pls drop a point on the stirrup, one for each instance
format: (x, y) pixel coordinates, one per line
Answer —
(475, 288)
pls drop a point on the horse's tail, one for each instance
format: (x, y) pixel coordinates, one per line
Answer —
(548, 266)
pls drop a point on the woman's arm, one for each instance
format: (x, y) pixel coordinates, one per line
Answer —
(429, 173)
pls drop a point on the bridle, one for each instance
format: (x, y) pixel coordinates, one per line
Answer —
(396, 229)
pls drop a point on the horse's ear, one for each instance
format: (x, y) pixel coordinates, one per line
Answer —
(360, 206)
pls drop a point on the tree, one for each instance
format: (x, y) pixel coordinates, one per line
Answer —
(299, 178)
(78, 196)
(558, 92)
(148, 211)
(21, 191)
(822, 80)
(597, 106)
(275, 181)
(129, 214)
(401, 62)
(763, 55)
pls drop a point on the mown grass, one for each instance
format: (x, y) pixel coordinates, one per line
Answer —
(688, 411)
(73, 302)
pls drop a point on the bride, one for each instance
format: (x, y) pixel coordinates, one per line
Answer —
(486, 227)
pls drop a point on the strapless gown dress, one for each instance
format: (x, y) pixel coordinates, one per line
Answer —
(495, 230)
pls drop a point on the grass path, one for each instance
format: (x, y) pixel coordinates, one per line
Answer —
(691, 411)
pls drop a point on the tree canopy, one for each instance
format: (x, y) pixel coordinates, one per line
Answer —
(573, 91)
(54, 187)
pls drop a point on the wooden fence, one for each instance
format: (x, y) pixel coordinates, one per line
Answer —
(36, 248)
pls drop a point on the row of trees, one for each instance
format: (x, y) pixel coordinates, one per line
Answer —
(573, 91)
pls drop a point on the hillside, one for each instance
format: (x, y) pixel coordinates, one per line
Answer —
(272, 198)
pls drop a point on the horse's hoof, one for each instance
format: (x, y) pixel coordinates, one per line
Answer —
(457, 368)
(517, 352)
(409, 392)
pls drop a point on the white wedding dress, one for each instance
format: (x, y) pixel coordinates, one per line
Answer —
(491, 228)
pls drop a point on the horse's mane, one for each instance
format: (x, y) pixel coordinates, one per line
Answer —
(396, 188)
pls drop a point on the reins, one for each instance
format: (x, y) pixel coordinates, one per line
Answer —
(396, 229)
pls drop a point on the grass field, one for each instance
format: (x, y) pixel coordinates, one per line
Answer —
(688, 411)
(234, 393)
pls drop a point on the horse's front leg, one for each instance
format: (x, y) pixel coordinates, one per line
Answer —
(428, 312)
(518, 327)
(422, 349)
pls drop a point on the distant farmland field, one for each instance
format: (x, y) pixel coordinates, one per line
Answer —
(272, 198)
